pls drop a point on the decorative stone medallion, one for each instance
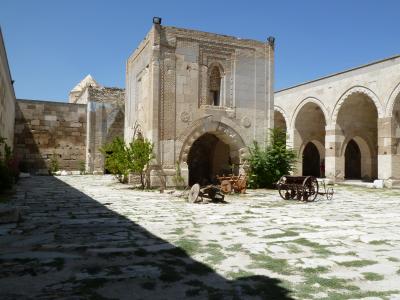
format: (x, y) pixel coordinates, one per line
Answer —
(185, 117)
(246, 122)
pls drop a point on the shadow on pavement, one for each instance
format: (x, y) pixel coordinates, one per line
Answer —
(70, 246)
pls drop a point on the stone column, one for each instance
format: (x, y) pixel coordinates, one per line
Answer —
(293, 142)
(334, 161)
(385, 148)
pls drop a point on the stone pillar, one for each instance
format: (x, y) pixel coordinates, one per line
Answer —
(386, 150)
(156, 177)
(334, 161)
(293, 141)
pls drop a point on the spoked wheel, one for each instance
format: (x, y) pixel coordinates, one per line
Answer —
(284, 192)
(194, 193)
(310, 185)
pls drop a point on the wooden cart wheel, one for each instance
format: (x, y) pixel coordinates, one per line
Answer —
(283, 191)
(329, 193)
(310, 185)
(194, 193)
(226, 186)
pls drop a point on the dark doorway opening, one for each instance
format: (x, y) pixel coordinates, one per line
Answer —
(311, 161)
(352, 157)
(208, 157)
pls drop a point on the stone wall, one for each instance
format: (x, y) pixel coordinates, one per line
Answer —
(7, 98)
(50, 129)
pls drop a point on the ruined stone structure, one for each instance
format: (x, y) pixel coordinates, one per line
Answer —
(7, 98)
(201, 98)
(105, 118)
(346, 125)
(72, 133)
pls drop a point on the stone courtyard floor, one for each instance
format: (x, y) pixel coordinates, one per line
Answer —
(89, 237)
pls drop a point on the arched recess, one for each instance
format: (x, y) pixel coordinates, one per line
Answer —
(393, 127)
(393, 100)
(309, 126)
(311, 160)
(221, 140)
(355, 91)
(357, 119)
(215, 84)
(358, 158)
(280, 118)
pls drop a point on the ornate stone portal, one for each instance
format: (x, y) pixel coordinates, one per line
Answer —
(201, 98)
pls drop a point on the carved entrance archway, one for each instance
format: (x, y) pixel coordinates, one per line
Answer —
(212, 148)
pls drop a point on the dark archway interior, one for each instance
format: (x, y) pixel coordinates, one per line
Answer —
(311, 161)
(208, 157)
(352, 158)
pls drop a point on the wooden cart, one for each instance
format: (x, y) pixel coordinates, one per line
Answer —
(305, 188)
(198, 194)
(236, 183)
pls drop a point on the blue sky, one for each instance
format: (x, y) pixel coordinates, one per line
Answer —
(52, 45)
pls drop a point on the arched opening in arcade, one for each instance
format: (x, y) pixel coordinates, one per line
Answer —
(208, 157)
(309, 139)
(395, 133)
(352, 161)
(311, 161)
(358, 121)
(279, 121)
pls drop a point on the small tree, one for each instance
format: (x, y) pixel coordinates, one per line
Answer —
(269, 164)
(116, 159)
(140, 153)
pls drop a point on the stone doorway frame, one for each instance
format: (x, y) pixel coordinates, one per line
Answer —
(224, 132)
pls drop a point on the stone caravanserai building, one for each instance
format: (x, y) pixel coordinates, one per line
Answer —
(202, 99)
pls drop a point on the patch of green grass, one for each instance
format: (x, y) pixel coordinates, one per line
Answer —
(357, 263)
(378, 243)
(317, 248)
(178, 231)
(393, 259)
(371, 276)
(277, 265)
(239, 274)
(234, 248)
(287, 233)
(214, 251)
(336, 295)
(190, 246)
(317, 270)
(293, 248)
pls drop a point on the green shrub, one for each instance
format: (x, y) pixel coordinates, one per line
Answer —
(116, 159)
(54, 165)
(122, 159)
(82, 167)
(140, 153)
(9, 171)
(267, 165)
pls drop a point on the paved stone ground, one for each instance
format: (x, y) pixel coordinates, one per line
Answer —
(89, 237)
